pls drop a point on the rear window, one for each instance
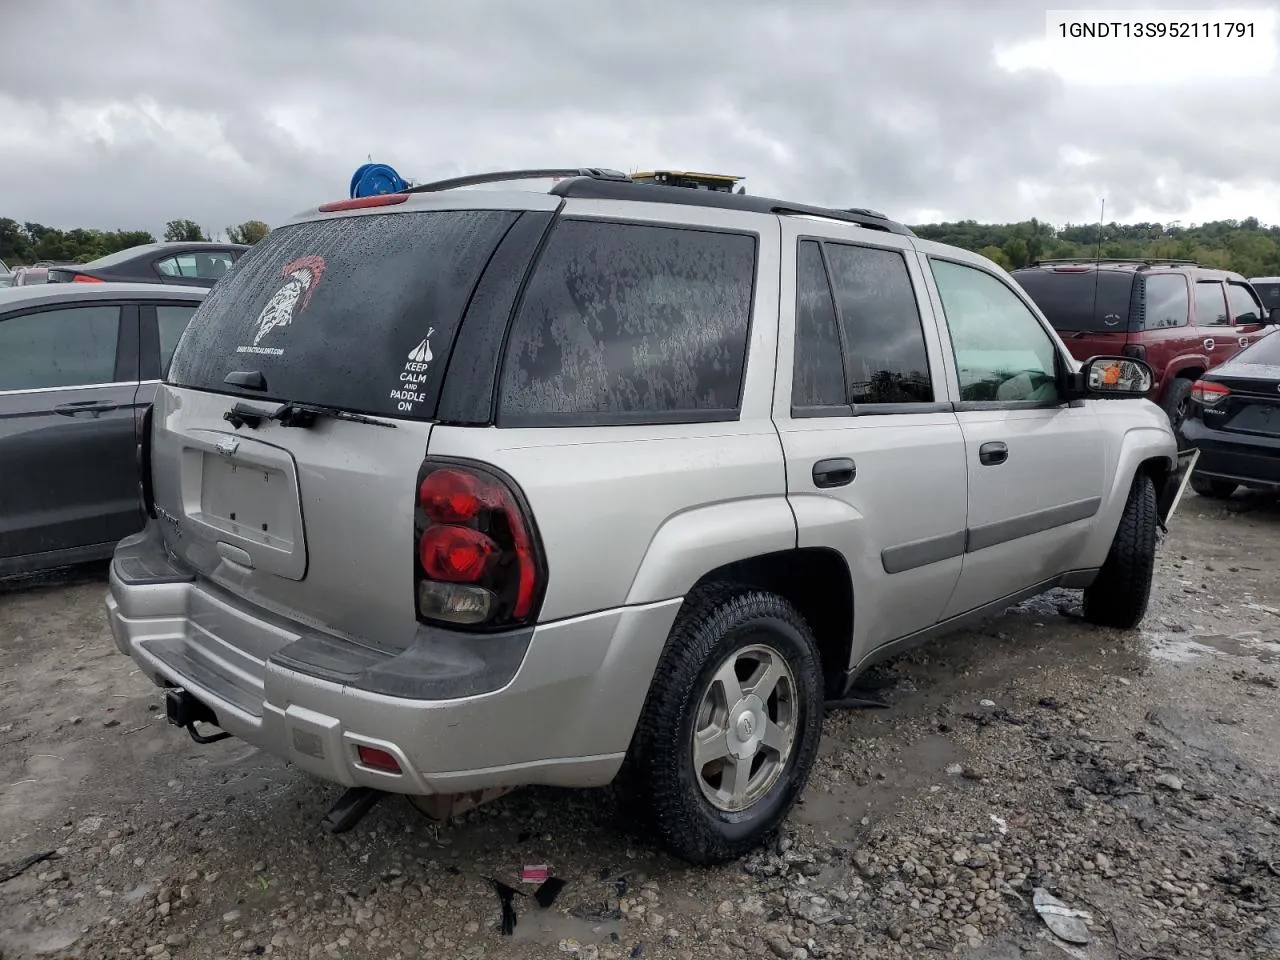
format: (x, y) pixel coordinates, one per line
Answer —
(1269, 294)
(355, 312)
(1265, 352)
(1092, 300)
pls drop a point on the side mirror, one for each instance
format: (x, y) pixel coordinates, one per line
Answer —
(1113, 377)
(1274, 316)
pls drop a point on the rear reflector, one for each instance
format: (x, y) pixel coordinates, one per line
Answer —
(85, 278)
(380, 200)
(378, 759)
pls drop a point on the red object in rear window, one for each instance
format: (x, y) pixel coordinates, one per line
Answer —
(381, 200)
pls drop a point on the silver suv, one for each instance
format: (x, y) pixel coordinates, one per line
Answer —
(457, 490)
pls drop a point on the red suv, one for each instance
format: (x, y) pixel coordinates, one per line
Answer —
(1178, 316)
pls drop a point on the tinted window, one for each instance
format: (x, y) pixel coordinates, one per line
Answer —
(354, 312)
(885, 356)
(171, 321)
(196, 266)
(72, 347)
(1269, 293)
(627, 324)
(1211, 306)
(1079, 298)
(1168, 303)
(1002, 353)
(818, 371)
(1244, 308)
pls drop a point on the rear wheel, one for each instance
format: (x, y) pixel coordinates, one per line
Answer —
(1176, 403)
(730, 729)
(1210, 487)
(1119, 596)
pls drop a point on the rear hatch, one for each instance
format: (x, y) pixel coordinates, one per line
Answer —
(1089, 307)
(1243, 395)
(350, 320)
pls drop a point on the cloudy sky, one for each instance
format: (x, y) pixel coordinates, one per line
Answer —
(132, 112)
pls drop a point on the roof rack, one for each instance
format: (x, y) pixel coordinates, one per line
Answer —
(558, 173)
(589, 188)
(1148, 261)
(599, 183)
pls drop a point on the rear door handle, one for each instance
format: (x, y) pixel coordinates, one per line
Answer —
(834, 472)
(990, 454)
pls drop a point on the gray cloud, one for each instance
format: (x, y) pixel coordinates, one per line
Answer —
(262, 109)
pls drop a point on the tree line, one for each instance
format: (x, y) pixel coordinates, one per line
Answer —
(27, 243)
(1246, 246)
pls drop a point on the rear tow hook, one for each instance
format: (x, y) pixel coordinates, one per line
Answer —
(185, 711)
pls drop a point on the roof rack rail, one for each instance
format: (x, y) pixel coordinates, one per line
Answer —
(601, 188)
(1149, 261)
(475, 179)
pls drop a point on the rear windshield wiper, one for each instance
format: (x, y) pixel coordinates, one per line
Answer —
(292, 414)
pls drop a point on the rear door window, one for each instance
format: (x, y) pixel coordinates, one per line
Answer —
(353, 312)
(1080, 299)
(1168, 303)
(171, 322)
(631, 323)
(1211, 305)
(885, 357)
(817, 378)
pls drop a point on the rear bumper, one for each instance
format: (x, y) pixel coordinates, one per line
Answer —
(555, 706)
(1251, 461)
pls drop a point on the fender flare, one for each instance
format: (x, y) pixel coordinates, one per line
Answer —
(1138, 445)
(693, 542)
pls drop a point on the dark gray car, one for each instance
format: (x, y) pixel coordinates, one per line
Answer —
(197, 263)
(78, 365)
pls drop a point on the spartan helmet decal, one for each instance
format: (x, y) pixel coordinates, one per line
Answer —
(301, 277)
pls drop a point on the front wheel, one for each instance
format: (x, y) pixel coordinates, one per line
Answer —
(1209, 487)
(730, 729)
(1119, 596)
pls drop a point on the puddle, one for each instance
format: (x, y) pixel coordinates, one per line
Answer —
(1184, 648)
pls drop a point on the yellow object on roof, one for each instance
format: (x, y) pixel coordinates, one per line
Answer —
(681, 178)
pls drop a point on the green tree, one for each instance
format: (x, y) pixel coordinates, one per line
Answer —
(251, 231)
(997, 255)
(183, 230)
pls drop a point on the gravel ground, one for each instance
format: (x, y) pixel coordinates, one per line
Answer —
(1130, 775)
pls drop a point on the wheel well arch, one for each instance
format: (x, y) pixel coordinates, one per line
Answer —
(817, 582)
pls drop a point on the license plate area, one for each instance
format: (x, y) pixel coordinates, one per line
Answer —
(241, 505)
(246, 500)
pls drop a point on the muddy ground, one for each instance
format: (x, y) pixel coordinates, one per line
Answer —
(1133, 776)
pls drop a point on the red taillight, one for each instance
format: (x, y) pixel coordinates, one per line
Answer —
(378, 759)
(1207, 393)
(358, 203)
(477, 556)
(455, 554)
(85, 278)
(454, 496)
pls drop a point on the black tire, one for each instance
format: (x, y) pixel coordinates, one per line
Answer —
(660, 786)
(1176, 402)
(1119, 596)
(1213, 488)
